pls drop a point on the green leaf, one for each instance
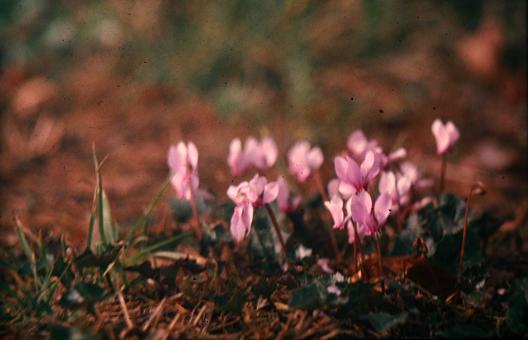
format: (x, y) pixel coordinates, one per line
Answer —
(100, 207)
(89, 259)
(383, 322)
(518, 308)
(142, 220)
(464, 331)
(151, 249)
(108, 226)
(308, 297)
(29, 254)
(447, 252)
(182, 209)
(262, 244)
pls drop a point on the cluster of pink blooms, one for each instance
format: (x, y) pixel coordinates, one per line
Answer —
(350, 205)
(247, 197)
(303, 160)
(261, 155)
(183, 164)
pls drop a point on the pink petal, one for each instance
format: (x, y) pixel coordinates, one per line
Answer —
(357, 142)
(410, 171)
(441, 136)
(341, 167)
(174, 160)
(354, 174)
(397, 154)
(269, 151)
(452, 132)
(258, 183)
(235, 160)
(346, 190)
(360, 207)
(382, 208)
(370, 167)
(192, 153)
(271, 191)
(335, 206)
(333, 187)
(315, 158)
(241, 221)
(387, 183)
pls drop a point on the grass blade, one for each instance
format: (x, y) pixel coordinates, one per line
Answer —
(100, 217)
(141, 221)
(28, 252)
(149, 250)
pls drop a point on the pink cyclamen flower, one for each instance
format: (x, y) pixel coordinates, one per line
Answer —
(247, 196)
(353, 177)
(261, 155)
(236, 159)
(365, 215)
(445, 135)
(398, 187)
(409, 170)
(183, 162)
(286, 203)
(335, 206)
(393, 157)
(303, 160)
(359, 145)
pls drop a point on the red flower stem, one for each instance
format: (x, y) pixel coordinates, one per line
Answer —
(476, 186)
(355, 257)
(197, 228)
(333, 240)
(320, 186)
(277, 229)
(360, 248)
(442, 173)
(380, 265)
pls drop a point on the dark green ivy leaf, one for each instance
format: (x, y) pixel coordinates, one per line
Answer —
(383, 322)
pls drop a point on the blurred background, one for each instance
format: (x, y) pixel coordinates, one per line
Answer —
(132, 77)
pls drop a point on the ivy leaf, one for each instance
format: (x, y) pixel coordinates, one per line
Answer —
(447, 252)
(308, 297)
(518, 308)
(383, 322)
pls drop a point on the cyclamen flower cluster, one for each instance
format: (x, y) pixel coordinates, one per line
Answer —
(262, 155)
(303, 160)
(350, 203)
(183, 163)
(248, 196)
(355, 172)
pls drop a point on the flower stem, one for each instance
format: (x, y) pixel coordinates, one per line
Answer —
(479, 189)
(380, 264)
(197, 228)
(277, 229)
(442, 173)
(360, 249)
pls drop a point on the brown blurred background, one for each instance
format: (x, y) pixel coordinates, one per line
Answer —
(132, 77)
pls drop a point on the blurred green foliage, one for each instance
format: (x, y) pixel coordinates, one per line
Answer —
(241, 53)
